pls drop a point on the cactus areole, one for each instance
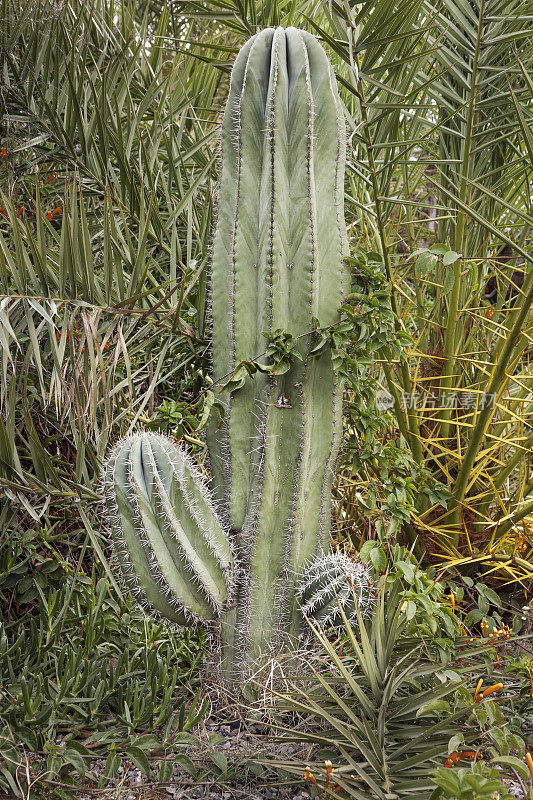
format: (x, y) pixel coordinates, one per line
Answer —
(277, 265)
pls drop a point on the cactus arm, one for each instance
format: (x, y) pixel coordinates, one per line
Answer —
(167, 565)
(182, 510)
(237, 311)
(132, 557)
(221, 287)
(167, 532)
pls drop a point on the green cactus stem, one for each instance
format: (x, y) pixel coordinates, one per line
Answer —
(333, 582)
(277, 265)
(170, 545)
(277, 268)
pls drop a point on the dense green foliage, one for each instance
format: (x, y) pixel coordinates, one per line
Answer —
(108, 169)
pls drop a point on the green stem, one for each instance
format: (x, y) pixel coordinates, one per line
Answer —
(452, 323)
(485, 415)
(413, 434)
(506, 526)
(520, 455)
(398, 410)
(413, 537)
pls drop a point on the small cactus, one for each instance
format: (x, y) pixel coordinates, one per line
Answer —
(333, 582)
(170, 545)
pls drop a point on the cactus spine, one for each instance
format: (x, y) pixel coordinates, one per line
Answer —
(277, 265)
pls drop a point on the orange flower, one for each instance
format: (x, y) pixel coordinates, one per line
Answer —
(452, 759)
(57, 210)
(466, 755)
(329, 770)
(494, 688)
(529, 762)
(310, 778)
(3, 153)
(489, 313)
(478, 688)
(469, 755)
(499, 633)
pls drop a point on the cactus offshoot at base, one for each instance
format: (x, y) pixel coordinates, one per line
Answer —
(333, 582)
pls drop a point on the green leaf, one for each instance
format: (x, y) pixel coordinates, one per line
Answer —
(255, 768)
(410, 611)
(165, 772)
(490, 594)
(366, 549)
(182, 737)
(450, 258)
(516, 763)
(473, 616)
(449, 280)
(407, 569)
(208, 403)
(215, 738)
(147, 742)
(76, 759)
(112, 764)
(378, 559)
(434, 708)
(220, 761)
(425, 263)
(139, 758)
(185, 762)
(455, 742)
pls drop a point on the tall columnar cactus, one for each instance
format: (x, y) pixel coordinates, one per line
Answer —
(277, 265)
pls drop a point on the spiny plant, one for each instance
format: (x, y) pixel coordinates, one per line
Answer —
(278, 272)
(332, 583)
(168, 540)
(381, 712)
